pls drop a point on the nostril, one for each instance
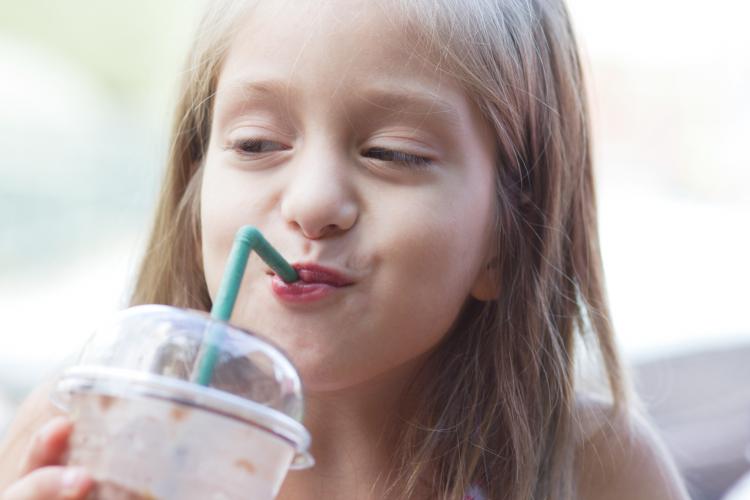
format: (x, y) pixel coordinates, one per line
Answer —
(329, 229)
(324, 232)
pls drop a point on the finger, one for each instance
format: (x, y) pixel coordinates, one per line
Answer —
(48, 445)
(51, 483)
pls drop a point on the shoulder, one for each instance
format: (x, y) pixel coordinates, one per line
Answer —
(620, 457)
(31, 415)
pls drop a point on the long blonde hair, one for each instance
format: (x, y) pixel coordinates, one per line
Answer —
(496, 401)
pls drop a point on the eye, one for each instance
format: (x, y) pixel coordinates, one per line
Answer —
(251, 147)
(398, 157)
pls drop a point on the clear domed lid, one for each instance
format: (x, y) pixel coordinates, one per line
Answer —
(156, 350)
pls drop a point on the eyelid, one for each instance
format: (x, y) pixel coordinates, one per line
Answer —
(257, 131)
(408, 143)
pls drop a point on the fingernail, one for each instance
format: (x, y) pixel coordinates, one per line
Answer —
(50, 427)
(73, 480)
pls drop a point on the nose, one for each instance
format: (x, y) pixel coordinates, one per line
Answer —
(320, 200)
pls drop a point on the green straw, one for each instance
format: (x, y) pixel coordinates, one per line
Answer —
(248, 238)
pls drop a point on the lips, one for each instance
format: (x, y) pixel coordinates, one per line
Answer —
(315, 283)
(315, 273)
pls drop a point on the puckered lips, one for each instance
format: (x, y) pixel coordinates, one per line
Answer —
(316, 282)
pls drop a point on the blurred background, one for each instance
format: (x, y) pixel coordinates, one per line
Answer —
(86, 92)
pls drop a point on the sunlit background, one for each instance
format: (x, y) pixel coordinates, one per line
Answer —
(86, 91)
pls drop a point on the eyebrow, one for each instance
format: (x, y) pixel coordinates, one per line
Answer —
(397, 99)
(406, 100)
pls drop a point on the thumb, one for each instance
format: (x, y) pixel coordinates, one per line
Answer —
(47, 445)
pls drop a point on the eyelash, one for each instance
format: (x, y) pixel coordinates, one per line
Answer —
(412, 161)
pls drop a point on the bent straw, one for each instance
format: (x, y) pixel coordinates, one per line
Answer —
(247, 238)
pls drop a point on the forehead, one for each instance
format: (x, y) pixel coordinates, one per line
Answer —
(332, 48)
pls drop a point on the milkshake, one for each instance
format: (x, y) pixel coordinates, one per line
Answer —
(145, 430)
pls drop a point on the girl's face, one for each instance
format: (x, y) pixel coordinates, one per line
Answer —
(347, 147)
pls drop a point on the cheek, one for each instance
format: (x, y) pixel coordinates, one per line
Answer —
(227, 203)
(443, 240)
(214, 231)
(435, 253)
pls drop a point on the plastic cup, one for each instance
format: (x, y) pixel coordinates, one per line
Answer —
(145, 431)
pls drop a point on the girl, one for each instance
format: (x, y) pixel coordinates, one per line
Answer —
(431, 162)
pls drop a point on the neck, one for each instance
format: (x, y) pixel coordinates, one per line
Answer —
(354, 438)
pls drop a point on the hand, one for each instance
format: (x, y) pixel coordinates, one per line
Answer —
(41, 476)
